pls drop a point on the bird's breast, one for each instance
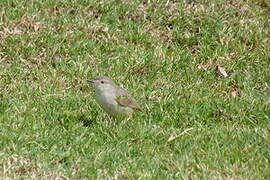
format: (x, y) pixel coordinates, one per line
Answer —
(107, 102)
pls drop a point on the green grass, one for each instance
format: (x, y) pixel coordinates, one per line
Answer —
(165, 53)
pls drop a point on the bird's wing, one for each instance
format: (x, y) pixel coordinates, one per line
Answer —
(124, 99)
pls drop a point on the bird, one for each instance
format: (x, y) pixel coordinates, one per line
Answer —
(113, 99)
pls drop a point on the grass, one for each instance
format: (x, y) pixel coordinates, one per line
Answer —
(195, 124)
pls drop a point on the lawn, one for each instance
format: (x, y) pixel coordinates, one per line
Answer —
(199, 69)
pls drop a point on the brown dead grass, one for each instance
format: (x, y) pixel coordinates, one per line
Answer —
(18, 166)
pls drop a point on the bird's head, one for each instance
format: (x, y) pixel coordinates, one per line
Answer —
(102, 83)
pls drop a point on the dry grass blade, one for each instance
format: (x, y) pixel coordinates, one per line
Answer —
(221, 71)
(173, 137)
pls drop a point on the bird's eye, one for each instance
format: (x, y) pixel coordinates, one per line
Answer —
(102, 82)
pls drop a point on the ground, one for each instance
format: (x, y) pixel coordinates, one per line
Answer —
(200, 70)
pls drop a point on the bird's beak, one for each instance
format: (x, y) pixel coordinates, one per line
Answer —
(90, 80)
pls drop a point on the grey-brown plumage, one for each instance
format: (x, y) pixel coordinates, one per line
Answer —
(113, 99)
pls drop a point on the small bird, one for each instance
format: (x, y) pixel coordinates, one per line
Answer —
(112, 98)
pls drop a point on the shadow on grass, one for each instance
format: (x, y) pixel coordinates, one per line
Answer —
(68, 119)
(86, 121)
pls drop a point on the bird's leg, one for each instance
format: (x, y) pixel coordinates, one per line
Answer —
(127, 119)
